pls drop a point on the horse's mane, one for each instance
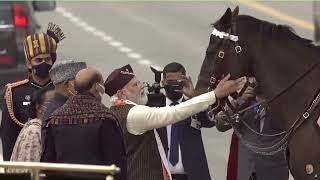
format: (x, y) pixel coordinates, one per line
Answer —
(270, 29)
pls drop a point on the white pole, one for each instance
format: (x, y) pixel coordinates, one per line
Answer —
(36, 167)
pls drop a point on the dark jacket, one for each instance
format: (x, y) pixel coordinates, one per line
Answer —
(84, 131)
(194, 158)
(242, 160)
(16, 112)
(57, 101)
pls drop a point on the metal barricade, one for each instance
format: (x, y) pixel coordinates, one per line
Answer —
(37, 167)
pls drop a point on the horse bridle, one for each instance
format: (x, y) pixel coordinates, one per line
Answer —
(282, 143)
(213, 80)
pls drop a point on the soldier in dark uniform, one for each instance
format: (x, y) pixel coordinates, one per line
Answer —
(40, 53)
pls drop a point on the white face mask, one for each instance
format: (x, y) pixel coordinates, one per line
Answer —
(71, 92)
(101, 92)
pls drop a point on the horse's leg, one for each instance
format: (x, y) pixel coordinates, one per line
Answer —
(304, 147)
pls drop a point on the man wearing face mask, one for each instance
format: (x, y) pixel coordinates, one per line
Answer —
(40, 52)
(145, 158)
(84, 131)
(182, 141)
(62, 75)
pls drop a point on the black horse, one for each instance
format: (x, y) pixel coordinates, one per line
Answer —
(287, 69)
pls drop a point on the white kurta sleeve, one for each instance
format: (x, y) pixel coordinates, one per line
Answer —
(143, 118)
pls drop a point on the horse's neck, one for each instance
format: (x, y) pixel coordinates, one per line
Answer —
(277, 69)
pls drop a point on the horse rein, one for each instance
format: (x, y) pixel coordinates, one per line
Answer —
(282, 143)
(305, 115)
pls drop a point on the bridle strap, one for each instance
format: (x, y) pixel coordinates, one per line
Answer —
(224, 35)
(266, 103)
(246, 85)
(297, 123)
(306, 114)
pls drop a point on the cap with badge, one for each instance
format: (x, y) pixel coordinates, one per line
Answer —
(43, 43)
(118, 79)
(65, 71)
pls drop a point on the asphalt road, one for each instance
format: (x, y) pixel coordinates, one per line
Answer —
(108, 35)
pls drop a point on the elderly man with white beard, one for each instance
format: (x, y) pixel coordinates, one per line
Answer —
(145, 161)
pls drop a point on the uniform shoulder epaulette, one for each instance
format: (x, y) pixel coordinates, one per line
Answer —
(9, 101)
(16, 84)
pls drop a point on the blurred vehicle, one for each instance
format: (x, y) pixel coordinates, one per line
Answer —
(17, 20)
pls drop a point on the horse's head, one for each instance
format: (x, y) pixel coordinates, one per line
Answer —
(245, 46)
(225, 53)
(226, 40)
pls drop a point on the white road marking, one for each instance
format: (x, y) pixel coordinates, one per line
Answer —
(81, 24)
(75, 19)
(144, 62)
(99, 33)
(90, 29)
(277, 14)
(116, 44)
(104, 37)
(134, 56)
(125, 49)
(107, 38)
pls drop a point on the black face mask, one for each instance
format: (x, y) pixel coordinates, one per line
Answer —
(42, 70)
(174, 90)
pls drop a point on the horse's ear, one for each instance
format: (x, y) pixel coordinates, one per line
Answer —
(235, 12)
(226, 19)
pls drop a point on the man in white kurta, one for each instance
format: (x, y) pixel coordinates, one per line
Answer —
(138, 121)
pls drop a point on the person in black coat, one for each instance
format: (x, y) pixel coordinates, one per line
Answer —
(244, 163)
(62, 75)
(40, 52)
(183, 141)
(84, 131)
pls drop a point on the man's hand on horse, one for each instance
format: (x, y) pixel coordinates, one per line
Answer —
(188, 88)
(226, 86)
